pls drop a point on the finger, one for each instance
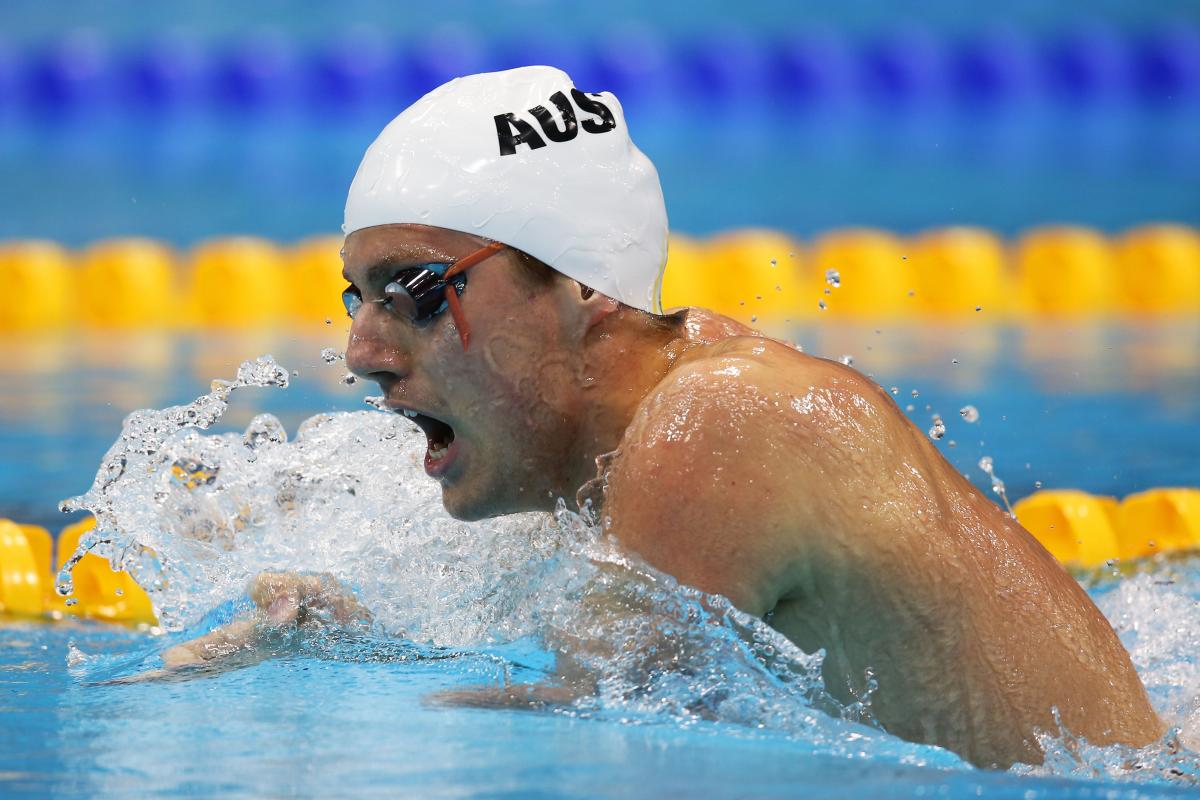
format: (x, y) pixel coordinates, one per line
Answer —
(284, 609)
(263, 587)
(267, 587)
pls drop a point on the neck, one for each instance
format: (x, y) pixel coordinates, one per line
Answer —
(625, 357)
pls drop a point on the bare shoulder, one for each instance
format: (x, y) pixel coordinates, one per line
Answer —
(776, 392)
(725, 459)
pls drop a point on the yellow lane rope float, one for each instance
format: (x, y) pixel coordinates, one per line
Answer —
(951, 273)
(1080, 529)
(27, 580)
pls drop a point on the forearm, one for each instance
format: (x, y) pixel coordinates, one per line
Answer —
(241, 636)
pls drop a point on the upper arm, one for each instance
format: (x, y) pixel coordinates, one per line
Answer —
(737, 474)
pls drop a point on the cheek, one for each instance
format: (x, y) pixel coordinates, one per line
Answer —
(530, 375)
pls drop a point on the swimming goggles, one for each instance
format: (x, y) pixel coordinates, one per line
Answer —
(422, 292)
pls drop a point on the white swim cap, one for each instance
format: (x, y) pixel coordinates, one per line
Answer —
(524, 158)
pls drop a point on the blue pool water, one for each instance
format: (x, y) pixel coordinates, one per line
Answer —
(327, 723)
(314, 726)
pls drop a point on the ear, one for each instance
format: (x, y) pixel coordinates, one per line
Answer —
(596, 306)
(589, 307)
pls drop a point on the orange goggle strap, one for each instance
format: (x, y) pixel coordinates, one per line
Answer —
(463, 264)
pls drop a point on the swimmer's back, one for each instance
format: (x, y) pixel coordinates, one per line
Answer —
(813, 499)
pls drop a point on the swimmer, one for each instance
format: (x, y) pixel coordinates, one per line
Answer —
(504, 254)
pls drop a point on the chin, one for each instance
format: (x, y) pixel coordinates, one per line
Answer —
(463, 506)
(469, 504)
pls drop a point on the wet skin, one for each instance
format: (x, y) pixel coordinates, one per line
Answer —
(811, 499)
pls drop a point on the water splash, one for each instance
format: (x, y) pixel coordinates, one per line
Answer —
(985, 464)
(144, 435)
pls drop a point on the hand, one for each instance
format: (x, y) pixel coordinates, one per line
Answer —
(286, 598)
(283, 601)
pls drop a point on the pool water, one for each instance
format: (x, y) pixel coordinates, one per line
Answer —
(328, 722)
(322, 725)
(461, 605)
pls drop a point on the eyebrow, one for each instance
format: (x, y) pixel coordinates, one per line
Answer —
(407, 255)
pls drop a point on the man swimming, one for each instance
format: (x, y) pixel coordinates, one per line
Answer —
(504, 253)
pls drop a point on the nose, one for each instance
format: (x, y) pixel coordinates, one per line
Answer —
(376, 350)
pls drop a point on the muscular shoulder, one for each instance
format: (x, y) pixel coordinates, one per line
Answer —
(756, 390)
(717, 469)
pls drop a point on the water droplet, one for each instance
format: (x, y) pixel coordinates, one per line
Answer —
(376, 401)
(120, 593)
(895, 390)
(821, 304)
(754, 318)
(909, 408)
(848, 360)
(778, 288)
(954, 361)
(951, 443)
(915, 393)
(985, 464)
(1037, 484)
(263, 430)
(349, 379)
(938, 429)
(833, 278)
(263, 371)
(72, 601)
(63, 584)
(969, 413)
(758, 297)
(912, 292)
(979, 308)
(329, 355)
(328, 321)
(774, 263)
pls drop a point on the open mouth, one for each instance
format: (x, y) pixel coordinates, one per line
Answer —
(439, 434)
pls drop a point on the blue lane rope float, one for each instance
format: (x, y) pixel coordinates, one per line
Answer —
(1086, 63)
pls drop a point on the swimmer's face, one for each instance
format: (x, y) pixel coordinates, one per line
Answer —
(498, 417)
